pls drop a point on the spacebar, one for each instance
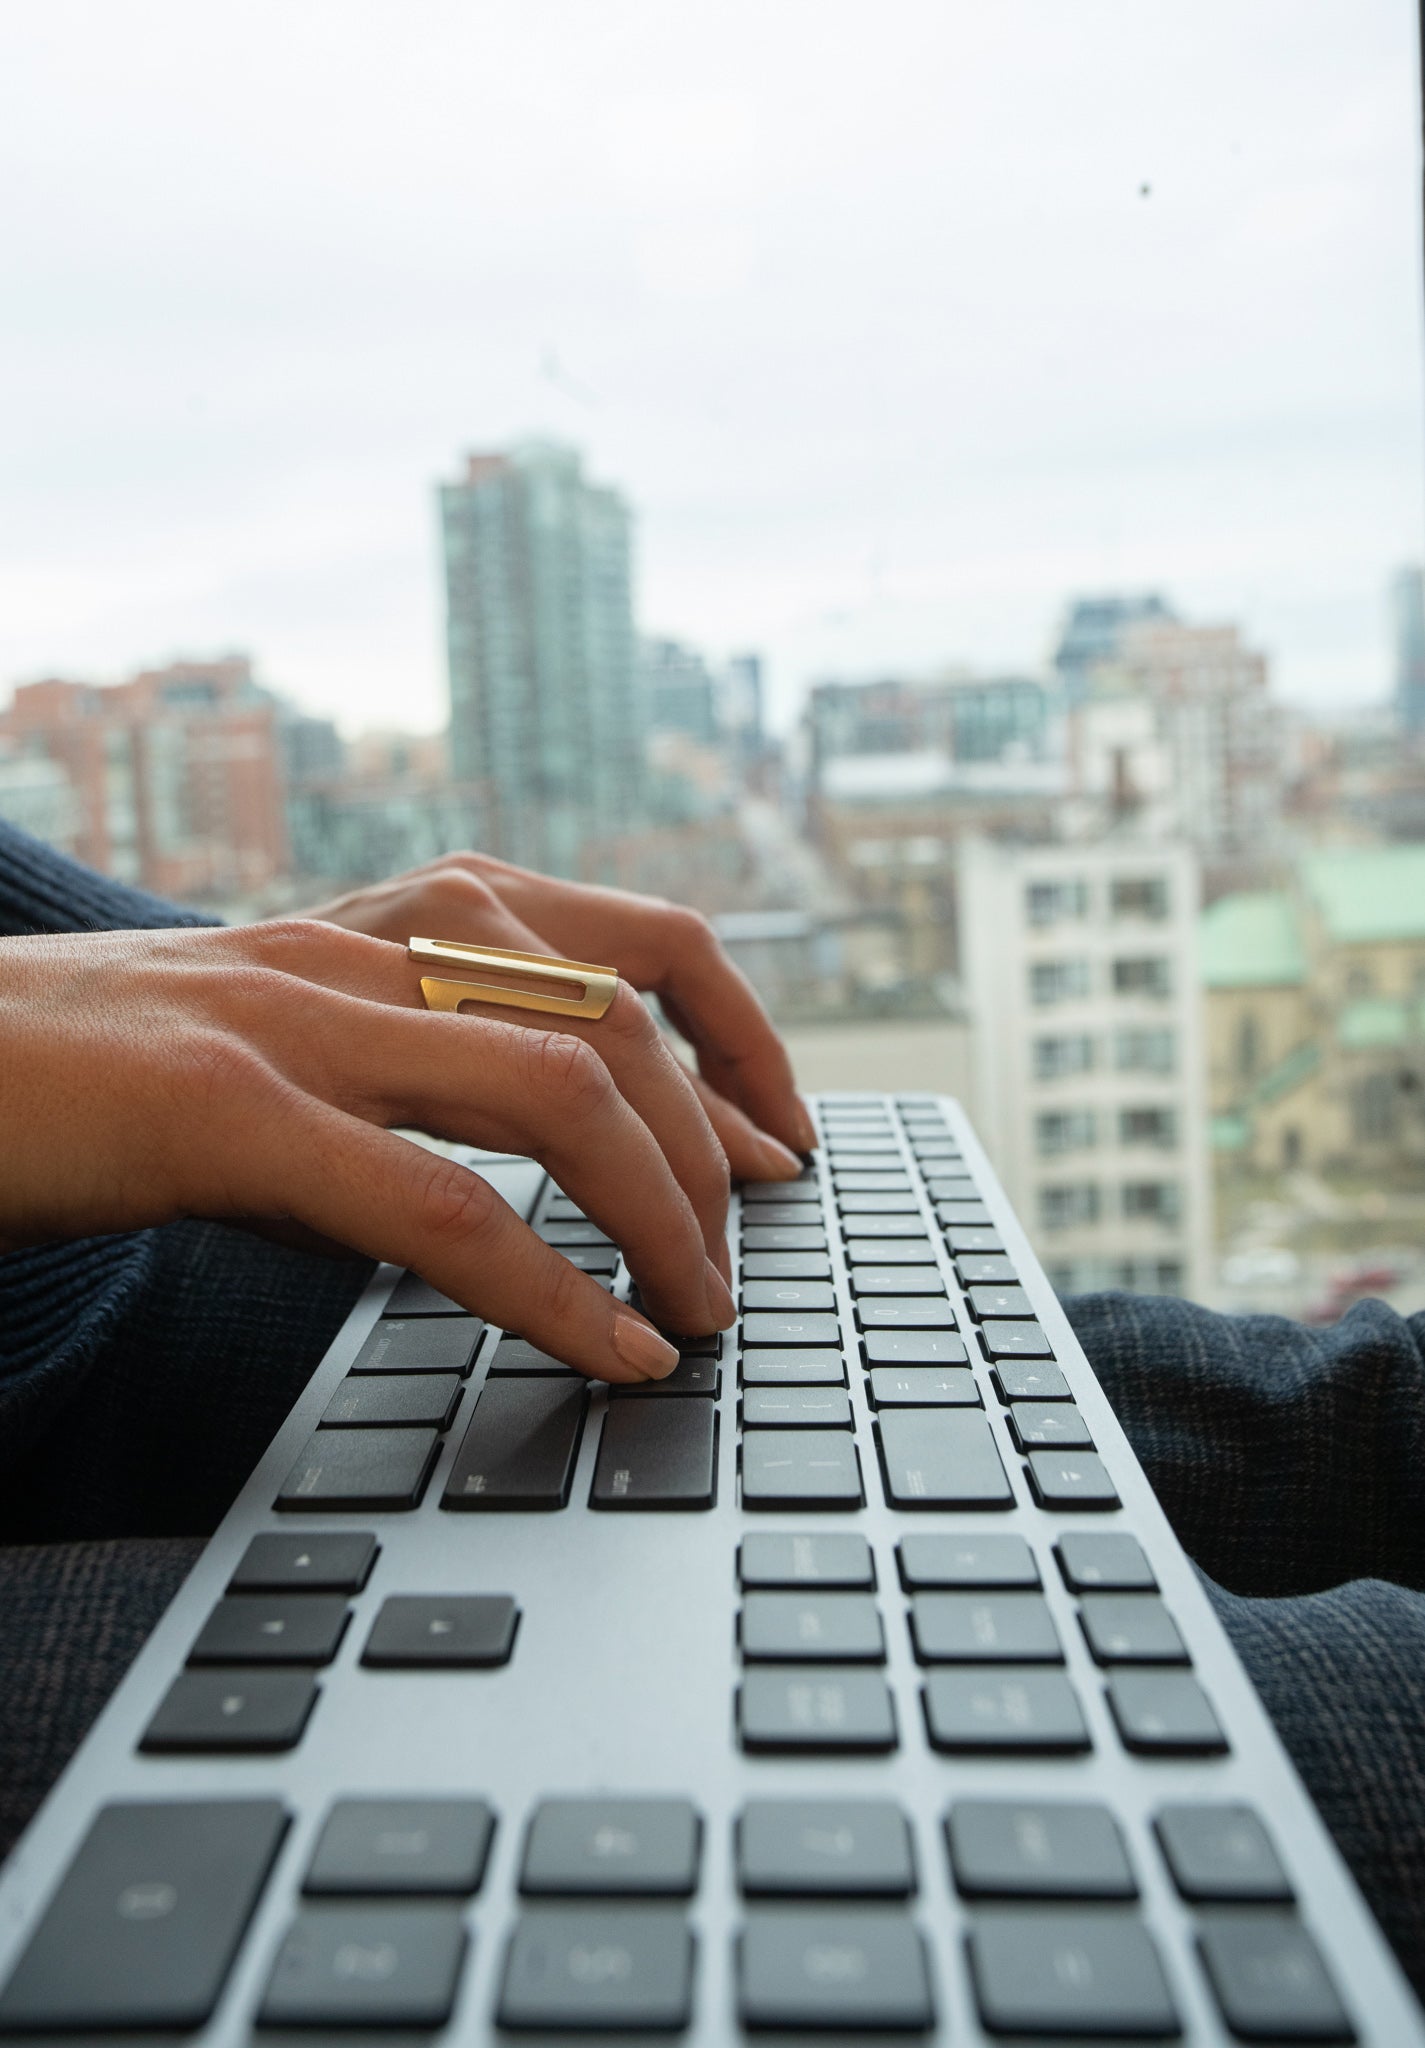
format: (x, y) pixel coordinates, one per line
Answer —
(520, 1448)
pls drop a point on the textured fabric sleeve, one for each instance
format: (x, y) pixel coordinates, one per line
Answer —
(45, 891)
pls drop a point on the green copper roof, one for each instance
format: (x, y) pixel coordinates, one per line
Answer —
(1251, 941)
(1376, 1021)
(1368, 892)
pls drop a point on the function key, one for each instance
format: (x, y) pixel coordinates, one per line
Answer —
(795, 1408)
(622, 1968)
(965, 1238)
(434, 1847)
(776, 1194)
(1015, 1340)
(941, 1458)
(1221, 1853)
(792, 1296)
(798, 1330)
(855, 1848)
(1131, 1628)
(890, 1251)
(800, 1366)
(1269, 1979)
(1040, 1849)
(420, 1344)
(272, 1628)
(142, 1931)
(923, 1386)
(231, 1713)
(392, 1965)
(914, 1347)
(767, 1557)
(603, 1847)
(814, 1265)
(451, 1631)
(1092, 1561)
(338, 1563)
(783, 1237)
(1048, 1425)
(998, 1304)
(412, 1296)
(1164, 1713)
(1056, 1973)
(1002, 1710)
(800, 1468)
(985, 1268)
(905, 1312)
(360, 1468)
(1031, 1383)
(810, 1628)
(937, 1559)
(808, 1969)
(861, 1226)
(983, 1628)
(1071, 1479)
(656, 1455)
(816, 1710)
(896, 1278)
(379, 1400)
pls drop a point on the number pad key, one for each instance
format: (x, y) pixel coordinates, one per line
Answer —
(1131, 1628)
(633, 1847)
(1108, 1561)
(998, 1711)
(1221, 1853)
(1057, 1973)
(1164, 1713)
(266, 1628)
(935, 1559)
(619, 1968)
(809, 1628)
(817, 1710)
(852, 1848)
(436, 1847)
(1042, 1849)
(1270, 1981)
(813, 1968)
(770, 1557)
(984, 1628)
(363, 1966)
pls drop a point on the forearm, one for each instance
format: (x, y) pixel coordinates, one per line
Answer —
(44, 891)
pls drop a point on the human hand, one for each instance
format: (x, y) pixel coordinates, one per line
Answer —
(744, 1079)
(251, 1074)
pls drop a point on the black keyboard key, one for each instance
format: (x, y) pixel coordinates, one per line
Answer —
(940, 1458)
(989, 1268)
(854, 1206)
(760, 1239)
(809, 1968)
(392, 1965)
(850, 1180)
(793, 1297)
(938, 1558)
(963, 1215)
(707, 1346)
(599, 1259)
(774, 1194)
(1049, 1426)
(381, 1400)
(923, 1386)
(800, 1468)
(689, 1376)
(1164, 1713)
(568, 1236)
(897, 1279)
(794, 1367)
(442, 1632)
(231, 1713)
(657, 1455)
(1027, 1382)
(563, 1209)
(1058, 1973)
(793, 1330)
(412, 1296)
(1015, 1340)
(515, 1358)
(1071, 1479)
(833, 1848)
(360, 1468)
(1221, 1854)
(420, 1344)
(520, 1447)
(785, 1266)
(934, 1148)
(864, 1155)
(995, 1711)
(999, 1304)
(606, 1970)
(768, 1557)
(817, 1710)
(907, 1312)
(963, 1238)
(588, 1848)
(781, 1215)
(812, 1628)
(1091, 1560)
(434, 1848)
(796, 1408)
(890, 1251)
(857, 1145)
(914, 1347)
(272, 1628)
(984, 1628)
(864, 1226)
(1131, 1628)
(1270, 1981)
(319, 1564)
(146, 1921)
(1037, 1849)
(954, 1185)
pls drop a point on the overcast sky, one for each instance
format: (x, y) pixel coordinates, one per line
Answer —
(898, 323)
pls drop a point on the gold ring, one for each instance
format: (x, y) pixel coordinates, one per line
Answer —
(590, 989)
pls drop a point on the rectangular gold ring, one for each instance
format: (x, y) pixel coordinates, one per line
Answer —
(591, 989)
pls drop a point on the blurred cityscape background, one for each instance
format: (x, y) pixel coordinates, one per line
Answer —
(971, 545)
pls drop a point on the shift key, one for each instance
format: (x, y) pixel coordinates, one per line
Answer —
(940, 1458)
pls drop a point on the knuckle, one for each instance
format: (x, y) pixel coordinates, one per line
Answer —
(627, 1018)
(562, 1289)
(569, 1072)
(454, 1203)
(692, 930)
(464, 894)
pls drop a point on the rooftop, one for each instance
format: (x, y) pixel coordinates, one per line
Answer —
(1251, 940)
(1366, 893)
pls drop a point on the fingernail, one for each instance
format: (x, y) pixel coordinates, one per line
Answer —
(780, 1161)
(638, 1344)
(806, 1129)
(721, 1305)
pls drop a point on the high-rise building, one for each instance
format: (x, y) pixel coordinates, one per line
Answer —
(543, 693)
(1092, 632)
(1407, 595)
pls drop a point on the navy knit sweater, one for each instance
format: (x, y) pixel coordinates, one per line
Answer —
(59, 1303)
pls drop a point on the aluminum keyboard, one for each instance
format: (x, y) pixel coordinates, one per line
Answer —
(848, 1682)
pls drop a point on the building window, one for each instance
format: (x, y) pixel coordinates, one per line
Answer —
(1148, 1127)
(1158, 1199)
(1360, 982)
(1073, 1053)
(1146, 1051)
(1058, 981)
(1048, 903)
(1068, 1203)
(1249, 1047)
(1150, 976)
(1374, 1109)
(1065, 1130)
(1139, 896)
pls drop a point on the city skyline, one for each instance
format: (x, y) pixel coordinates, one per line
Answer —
(894, 344)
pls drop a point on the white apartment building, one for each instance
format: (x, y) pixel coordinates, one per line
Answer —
(1080, 976)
